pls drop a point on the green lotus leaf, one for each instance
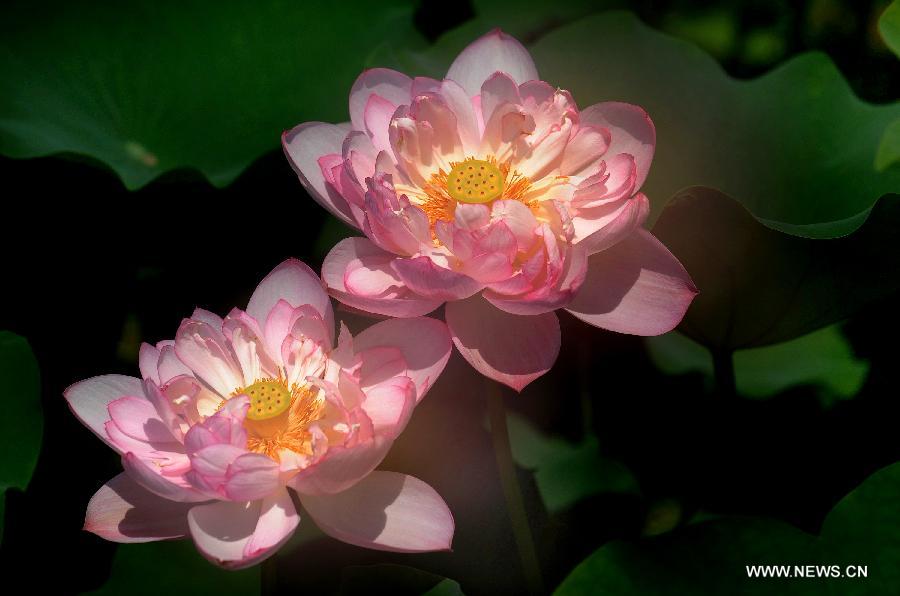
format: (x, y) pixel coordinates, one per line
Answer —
(173, 568)
(759, 286)
(711, 557)
(822, 359)
(889, 149)
(795, 146)
(566, 473)
(148, 87)
(889, 26)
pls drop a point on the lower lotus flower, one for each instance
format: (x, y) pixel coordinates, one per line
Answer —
(492, 191)
(236, 411)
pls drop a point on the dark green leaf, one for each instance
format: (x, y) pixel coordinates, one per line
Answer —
(147, 87)
(446, 587)
(566, 473)
(173, 568)
(711, 557)
(795, 146)
(759, 286)
(889, 149)
(22, 423)
(822, 359)
(889, 26)
(663, 516)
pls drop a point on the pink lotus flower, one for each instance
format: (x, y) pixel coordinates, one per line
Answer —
(491, 191)
(236, 411)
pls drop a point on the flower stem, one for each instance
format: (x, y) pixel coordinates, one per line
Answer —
(511, 490)
(268, 577)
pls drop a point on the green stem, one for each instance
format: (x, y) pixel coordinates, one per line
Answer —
(723, 372)
(268, 577)
(514, 502)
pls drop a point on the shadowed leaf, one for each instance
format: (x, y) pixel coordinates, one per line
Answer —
(889, 149)
(822, 359)
(173, 568)
(711, 557)
(889, 26)
(795, 146)
(564, 472)
(759, 286)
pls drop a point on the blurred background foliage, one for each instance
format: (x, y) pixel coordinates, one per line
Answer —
(140, 145)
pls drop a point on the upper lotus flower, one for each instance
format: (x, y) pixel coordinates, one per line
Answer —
(490, 190)
(234, 412)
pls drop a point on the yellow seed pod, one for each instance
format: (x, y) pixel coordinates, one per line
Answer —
(475, 181)
(268, 399)
(270, 404)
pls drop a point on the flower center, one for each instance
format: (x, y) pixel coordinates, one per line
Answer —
(270, 401)
(440, 195)
(279, 416)
(475, 181)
